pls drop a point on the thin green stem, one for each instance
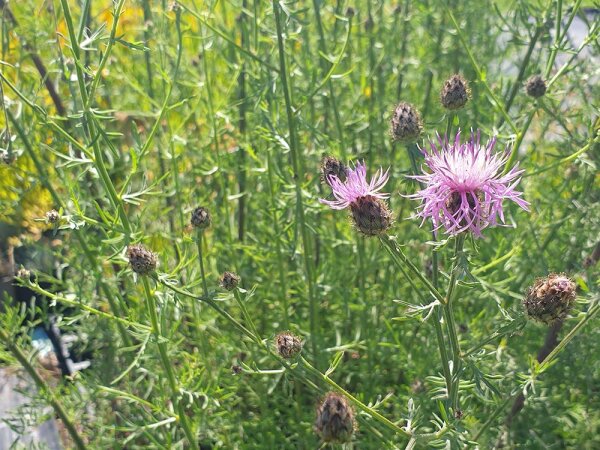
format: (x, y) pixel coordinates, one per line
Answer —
(397, 252)
(199, 243)
(43, 388)
(298, 179)
(451, 323)
(167, 363)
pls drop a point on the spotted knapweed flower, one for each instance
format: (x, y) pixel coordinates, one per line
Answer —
(369, 211)
(465, 188)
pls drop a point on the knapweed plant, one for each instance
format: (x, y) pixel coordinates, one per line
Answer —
(301, 224)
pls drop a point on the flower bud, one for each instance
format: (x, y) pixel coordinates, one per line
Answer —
(406, 124)
(535, 86)
(550, 298)
(142, 260)
(52, 216)
(455, 92)
(229, 280)
(335, 419)
(370, 215)
(200, 218)
(332, 166)
(24, 274)
(287, 345)
(350, 12)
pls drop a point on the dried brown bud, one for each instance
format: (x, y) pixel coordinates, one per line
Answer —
(287, 345)
(200, 218)
(455, 92)
(335, 419)
(406, 124)
(370, 215)
(229, 280)
(332, 166)
(535, 86)
(142, 260)
(550, 299)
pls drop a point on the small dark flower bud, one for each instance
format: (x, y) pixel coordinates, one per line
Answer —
(592, 259)
(52, 216)
(335, 419)
(370, 215)
(229, 280)
(535, 86)
(142, 260)
(455, 92)
(550, 298)
(350, 12)
(287, 345)
(236, 370)
(332, 166)
(200, 218)
(406, 124)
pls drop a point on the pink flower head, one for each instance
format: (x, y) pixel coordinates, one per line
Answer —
(355, 187)
(465, 187)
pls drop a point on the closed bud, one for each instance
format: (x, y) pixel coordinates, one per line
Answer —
(24, 274)
(332, 166)
(550, 299)
(335, 419)
(455, 92)
(142, 260)
(350, 12)
(200, 218)
(370, 215)
(535, 86)
(288, 345)
(229, 280)
(406, 124)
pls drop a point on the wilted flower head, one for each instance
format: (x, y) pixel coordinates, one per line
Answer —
(142, 260)
(287, 345)
(229, 280)
(335, 419)
(369, 212)
(550, 298)
(465, 188)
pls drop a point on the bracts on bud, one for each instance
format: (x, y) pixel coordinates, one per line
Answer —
(200, 218)
(550, 299)
(535, 86)
(287, 345)
(370, 215)
(335, 419)
(229, 280)
(406, 124)
(455, 92)
(333, 166)
(142, 260)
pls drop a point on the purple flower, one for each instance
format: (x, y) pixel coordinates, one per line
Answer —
(465, 187)
(369, 212)
(356, 186)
